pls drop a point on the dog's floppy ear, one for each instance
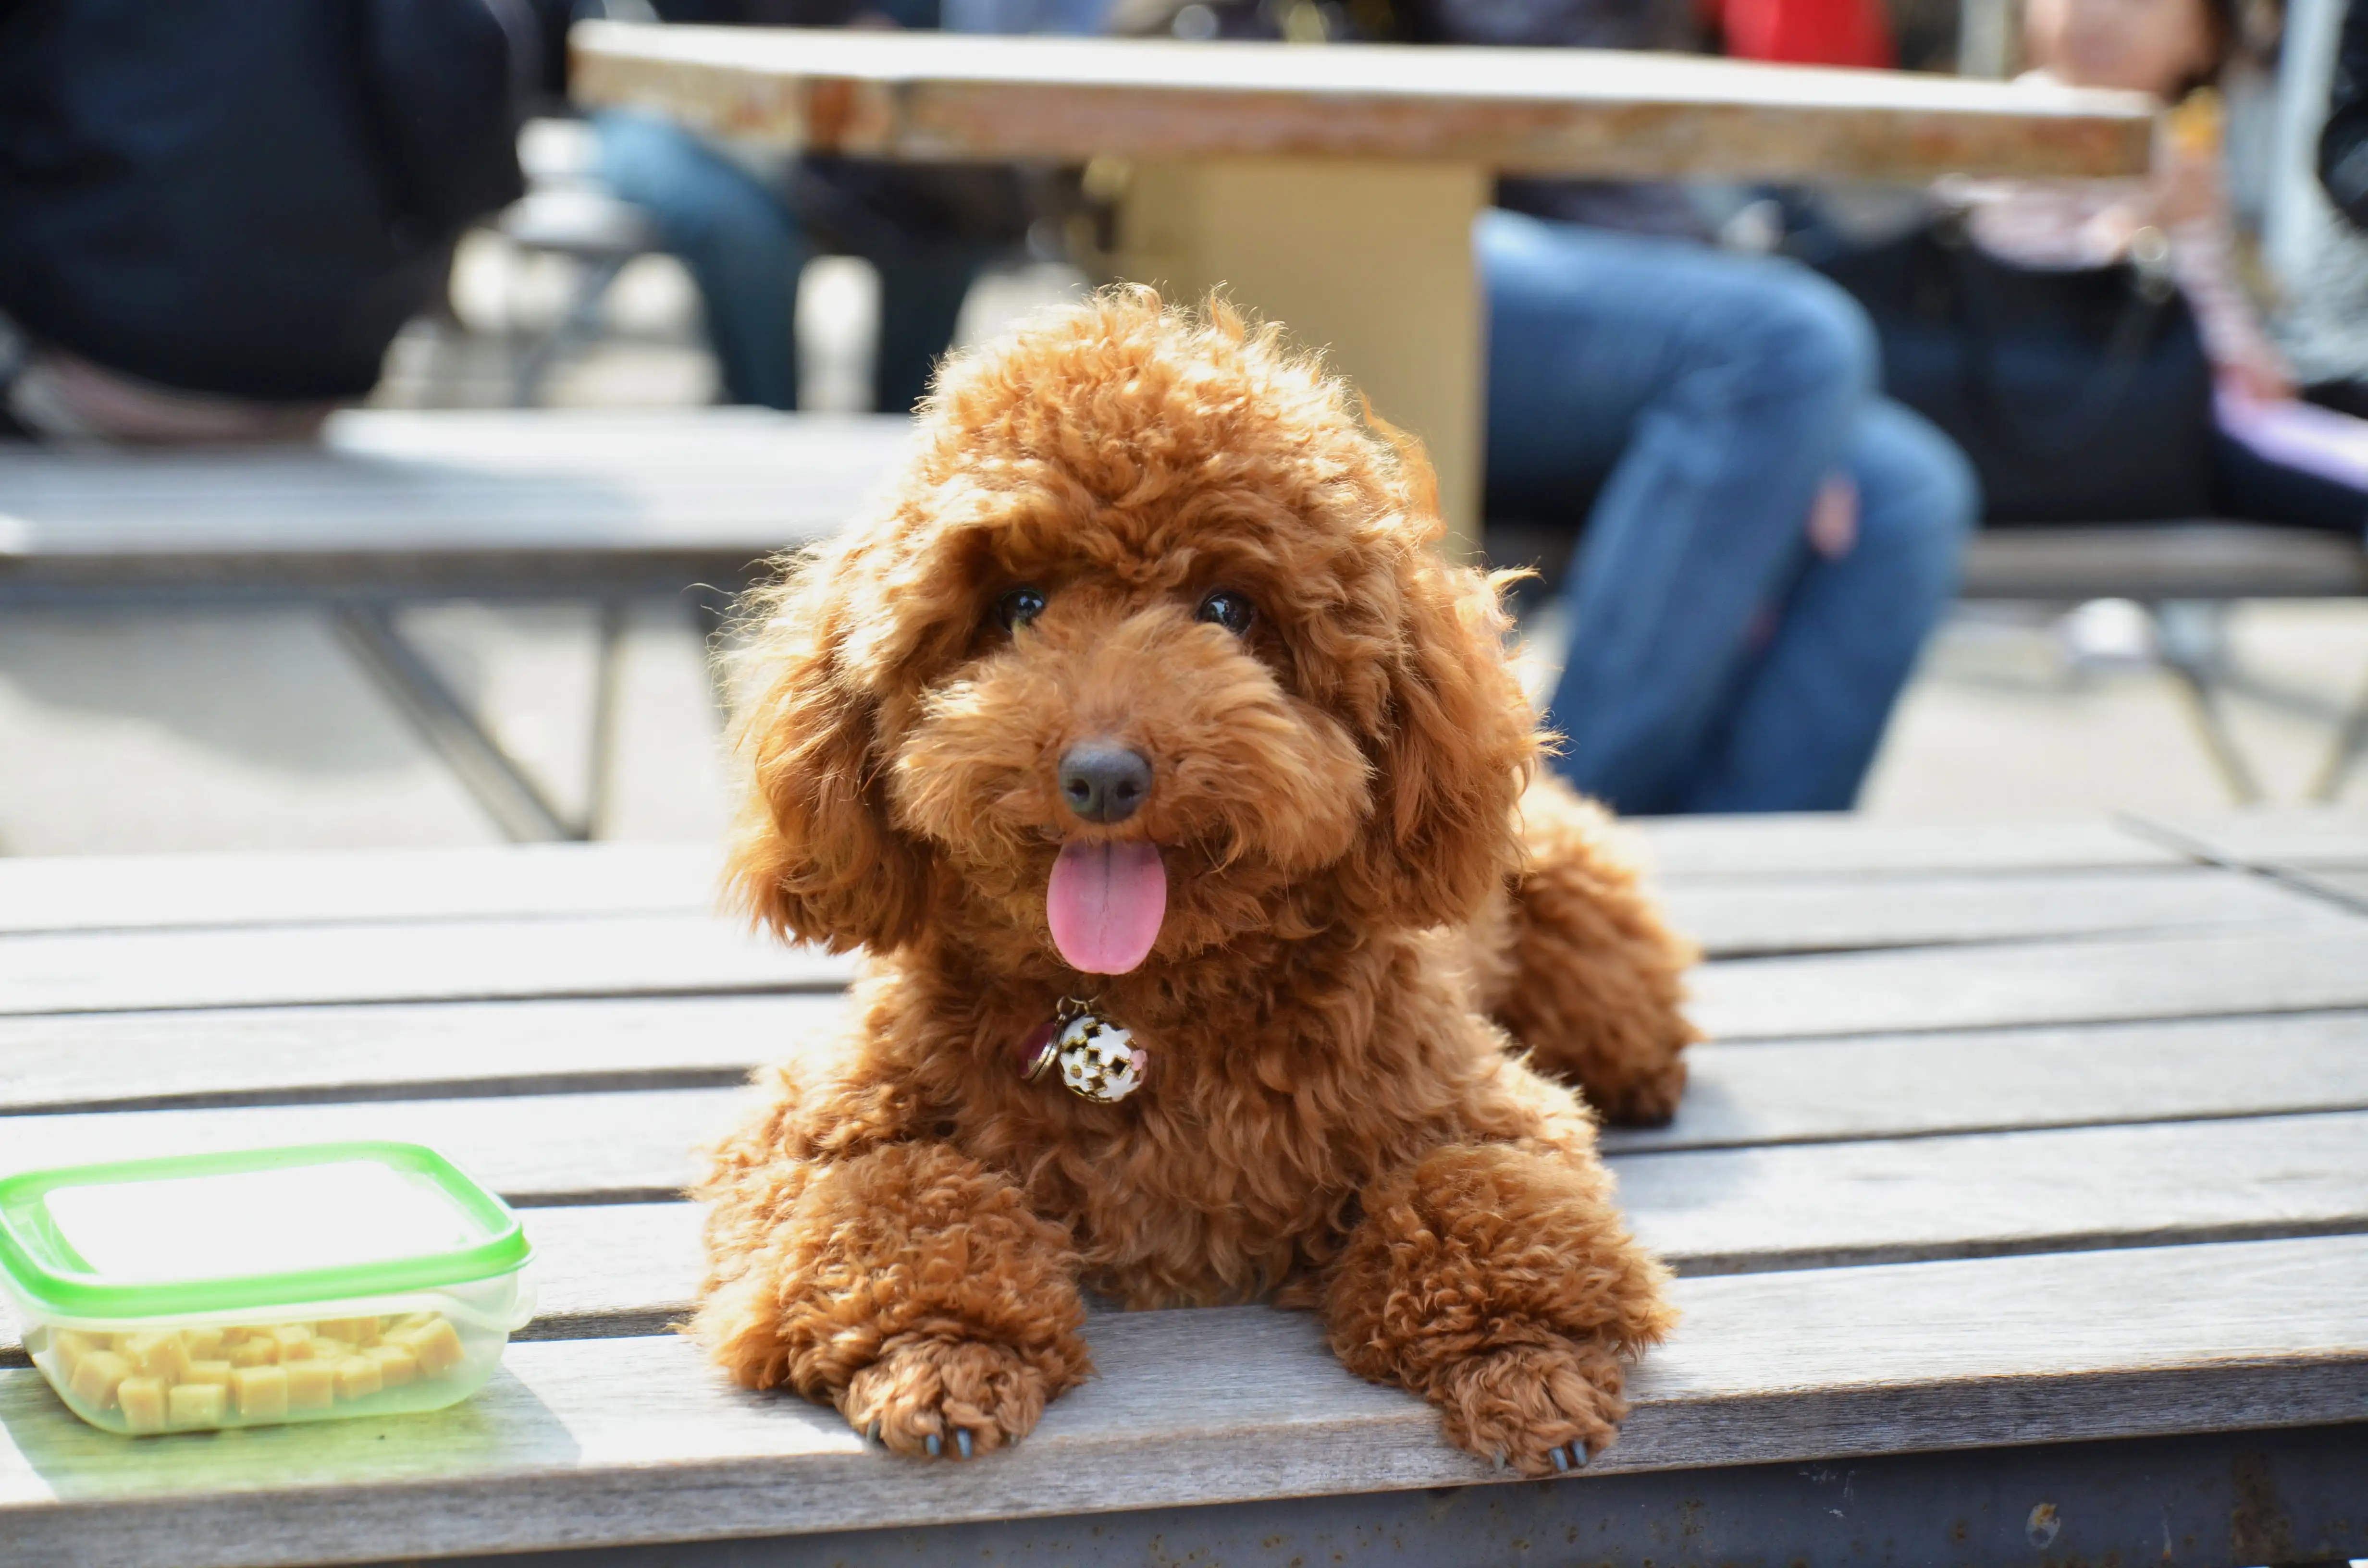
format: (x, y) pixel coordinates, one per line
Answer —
(1456, 741)
(814, 856)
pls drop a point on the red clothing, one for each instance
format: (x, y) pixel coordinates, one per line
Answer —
(1808, 32)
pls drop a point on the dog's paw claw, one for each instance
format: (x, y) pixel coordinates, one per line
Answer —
(945, 1399)
(1535, 1409)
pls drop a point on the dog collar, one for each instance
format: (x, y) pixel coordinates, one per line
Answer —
(1097, 1058)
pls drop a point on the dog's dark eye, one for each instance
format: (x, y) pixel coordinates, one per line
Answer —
(1019, 607)
(1228, 610)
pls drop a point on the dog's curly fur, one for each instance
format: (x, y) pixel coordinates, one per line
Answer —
(1331, 1118)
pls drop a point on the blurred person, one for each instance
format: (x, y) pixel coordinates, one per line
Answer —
(745, 229)
(1764, 542)
(216, 214)
(2176, 399)
(2343, 143)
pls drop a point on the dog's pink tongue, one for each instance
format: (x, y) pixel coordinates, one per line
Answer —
(1105, 902)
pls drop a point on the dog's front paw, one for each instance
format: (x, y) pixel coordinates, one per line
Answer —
(1646, 1096)
(1541, 1409)
(955, 1398)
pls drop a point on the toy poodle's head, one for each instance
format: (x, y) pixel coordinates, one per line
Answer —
(1151, 649)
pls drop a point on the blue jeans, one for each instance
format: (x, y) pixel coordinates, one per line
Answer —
(745, 247)
(1718, 663)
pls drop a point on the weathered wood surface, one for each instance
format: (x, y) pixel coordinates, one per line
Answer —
(1820, 845)
(1719, 1211)
(1542, 111)
(2297, 969)
(1770, 1092)
(410, 500)
(1809, 858)
(2086, 1122)
(631, 1440)
(443, 960)
(552, 954)
(1753, 1092)
(292, 1055)
(2314, 838)
(533, 1149)
(130, 892)
(2183, 561)
(1832, 914)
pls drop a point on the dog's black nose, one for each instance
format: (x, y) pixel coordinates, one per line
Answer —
(1104, 783)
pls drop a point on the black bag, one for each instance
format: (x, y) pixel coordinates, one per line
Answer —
(2081, 396)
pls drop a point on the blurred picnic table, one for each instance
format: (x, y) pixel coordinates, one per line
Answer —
(1334, 188)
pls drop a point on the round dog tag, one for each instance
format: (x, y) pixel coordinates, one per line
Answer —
(1099, 1060)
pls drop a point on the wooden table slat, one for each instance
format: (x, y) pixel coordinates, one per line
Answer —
(630, 1440)
(1808, 1206)
(689, 953)
(2297, 969)
(131, 892)
(2329, 837)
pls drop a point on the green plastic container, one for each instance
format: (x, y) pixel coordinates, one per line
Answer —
(267, 1285)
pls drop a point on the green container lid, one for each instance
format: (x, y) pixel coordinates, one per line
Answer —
(250, 1230)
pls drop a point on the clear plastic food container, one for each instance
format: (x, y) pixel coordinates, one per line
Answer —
(269, 1285)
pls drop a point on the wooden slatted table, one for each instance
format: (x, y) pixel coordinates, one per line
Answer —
(2020, 1211)
(1335, 188)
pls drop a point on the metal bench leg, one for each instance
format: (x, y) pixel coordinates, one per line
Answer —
(601, 765)
(577, 325)
(517, 804)
(2351, 744)
(2192, 640)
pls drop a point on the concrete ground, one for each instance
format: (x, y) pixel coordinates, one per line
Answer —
(222, 729)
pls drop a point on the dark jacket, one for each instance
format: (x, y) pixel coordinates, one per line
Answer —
(2343, 145)
(244, 197)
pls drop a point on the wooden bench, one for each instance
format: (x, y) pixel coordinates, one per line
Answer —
(2021, 1209)
(392, 508)
(2196, 563)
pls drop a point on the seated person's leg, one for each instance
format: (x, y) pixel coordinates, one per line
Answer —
(921, 294)
(2261, 489)
(1809, 713)
(742, 245)
(1718, 391)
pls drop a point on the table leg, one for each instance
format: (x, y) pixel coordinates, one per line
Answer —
(1370, 260)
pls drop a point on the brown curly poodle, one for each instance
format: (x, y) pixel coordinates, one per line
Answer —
(1147, 690)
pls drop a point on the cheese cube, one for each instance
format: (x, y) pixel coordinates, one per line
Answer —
(144, 1403)
(198, 1406)
(312, 1385)
(260, 1351)
(261, 1391)
(99, 1376)
(353, 1331)
(157, 1355)
(294, 1339)
(68, 1349)
(326, 1349)
(434, 1342)
(397, 1364)
(203, 1343)
(358, 1377)
(215, 1373)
